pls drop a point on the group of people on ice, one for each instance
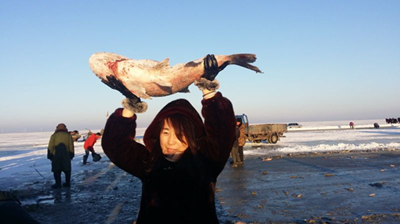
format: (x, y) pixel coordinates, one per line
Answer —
(60, 151)
(181, 157)
(392, 120)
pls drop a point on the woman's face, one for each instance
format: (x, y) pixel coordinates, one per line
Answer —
(170, 144)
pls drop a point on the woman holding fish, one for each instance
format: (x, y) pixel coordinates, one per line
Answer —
(182, 156)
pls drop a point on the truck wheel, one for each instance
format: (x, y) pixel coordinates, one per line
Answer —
(273, 139)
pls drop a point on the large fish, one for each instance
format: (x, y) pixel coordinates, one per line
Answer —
(148, 78)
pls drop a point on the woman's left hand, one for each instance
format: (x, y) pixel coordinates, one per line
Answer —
(211, 69)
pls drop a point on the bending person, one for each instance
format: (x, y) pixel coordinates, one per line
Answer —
(89, 147)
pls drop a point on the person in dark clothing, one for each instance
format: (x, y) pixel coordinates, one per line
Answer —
(235, 153)
(60, 152)
(351, 125)
(241, 139)
(182, 156)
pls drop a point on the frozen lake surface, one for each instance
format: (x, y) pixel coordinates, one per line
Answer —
(301, 189)
(332, 136)
(24, 155)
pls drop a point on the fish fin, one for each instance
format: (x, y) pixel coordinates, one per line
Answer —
(161, 82)
(184, 90)
(162, 65)
(162, 68)
(137, 89)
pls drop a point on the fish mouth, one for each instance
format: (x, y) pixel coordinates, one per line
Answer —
(100, 63)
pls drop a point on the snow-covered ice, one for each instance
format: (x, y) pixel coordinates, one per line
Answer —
(24, 155)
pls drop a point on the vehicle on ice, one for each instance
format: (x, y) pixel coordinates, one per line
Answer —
(294, 125)
(262, 132)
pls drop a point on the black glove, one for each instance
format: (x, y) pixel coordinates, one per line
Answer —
(211, 68)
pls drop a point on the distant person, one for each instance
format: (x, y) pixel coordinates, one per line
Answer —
(235, 153)
(376, 125)
(241, 139)
(351, 125)
(61, 152)
(75, 135)
(89, 147)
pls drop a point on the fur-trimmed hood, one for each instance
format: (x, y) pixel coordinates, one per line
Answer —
(180, 106)
(61, 127)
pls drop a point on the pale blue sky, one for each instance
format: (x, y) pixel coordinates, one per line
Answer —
(322, 60)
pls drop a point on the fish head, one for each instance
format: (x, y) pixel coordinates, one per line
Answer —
(102, 63)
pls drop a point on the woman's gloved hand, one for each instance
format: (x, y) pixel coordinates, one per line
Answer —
(211, 70)
(131, 102)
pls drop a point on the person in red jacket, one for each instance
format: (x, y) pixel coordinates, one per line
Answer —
(182, 156)
(88, 146)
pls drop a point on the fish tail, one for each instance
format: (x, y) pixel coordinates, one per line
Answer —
(244, 60)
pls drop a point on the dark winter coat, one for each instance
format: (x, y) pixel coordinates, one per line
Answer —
(61, 151)
(182, 191)
(237, 135)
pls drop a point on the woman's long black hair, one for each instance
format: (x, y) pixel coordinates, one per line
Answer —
(185, 128)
